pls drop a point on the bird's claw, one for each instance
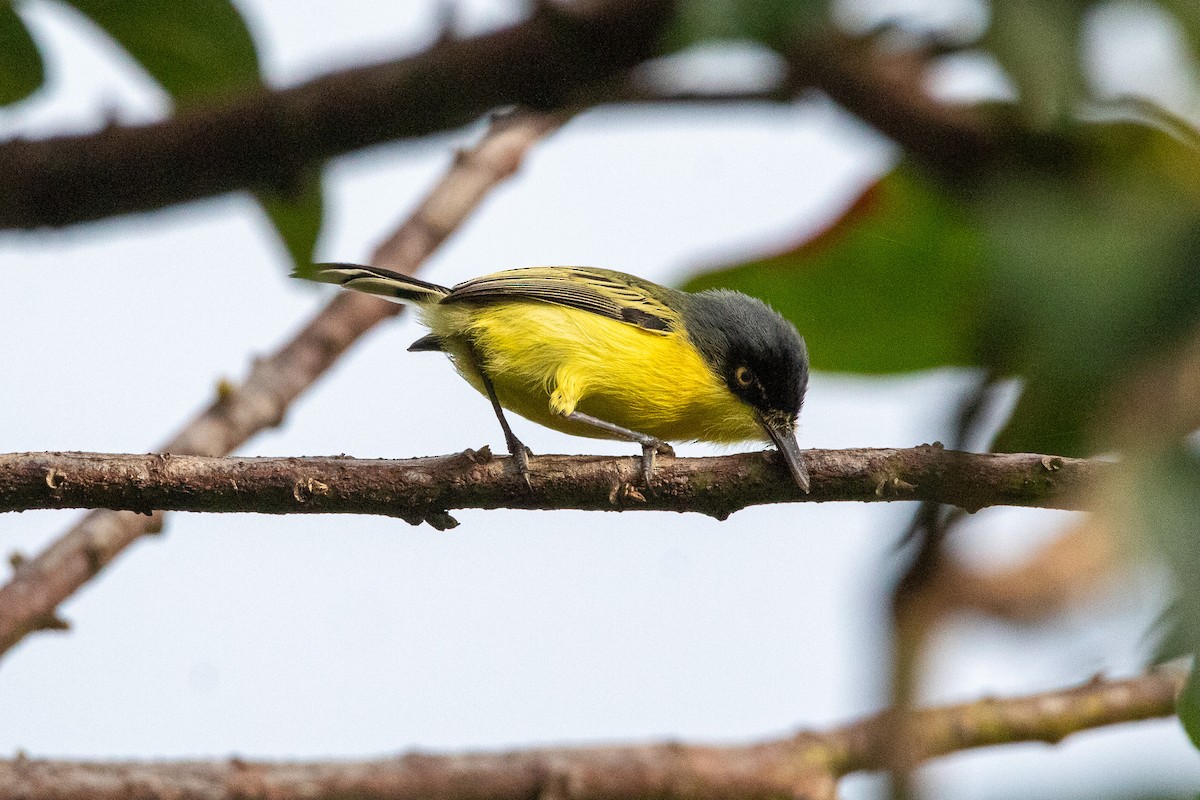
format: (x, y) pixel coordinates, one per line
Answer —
(520, 456)
(651, 449)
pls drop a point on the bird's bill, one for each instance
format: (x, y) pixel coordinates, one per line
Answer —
(785, 440)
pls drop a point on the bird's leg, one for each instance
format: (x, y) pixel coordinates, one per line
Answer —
(519, 452)
(651, 446)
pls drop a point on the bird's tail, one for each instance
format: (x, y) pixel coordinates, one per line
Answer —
(374, 280)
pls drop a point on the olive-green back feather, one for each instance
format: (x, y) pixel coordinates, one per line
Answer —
(610, 294)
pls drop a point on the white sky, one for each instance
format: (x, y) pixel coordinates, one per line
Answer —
(351, 636)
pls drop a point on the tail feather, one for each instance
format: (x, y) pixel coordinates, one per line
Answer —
(377, 281)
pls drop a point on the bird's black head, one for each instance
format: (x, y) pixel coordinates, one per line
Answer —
(761, 358)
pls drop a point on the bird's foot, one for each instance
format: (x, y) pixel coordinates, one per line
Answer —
(651, 449)
(520, 456)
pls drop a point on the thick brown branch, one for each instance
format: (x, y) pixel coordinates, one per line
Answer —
(802, 766)
(425, 488)
(270, 139)
(29, 601)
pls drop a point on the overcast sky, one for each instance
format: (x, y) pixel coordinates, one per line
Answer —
(352, 636)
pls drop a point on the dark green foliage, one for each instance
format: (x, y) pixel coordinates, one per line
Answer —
(198, 50)
(297, 218)
(892, 286)
(1167, 496)
(1093, 266)
(775, 23)
(21, 69)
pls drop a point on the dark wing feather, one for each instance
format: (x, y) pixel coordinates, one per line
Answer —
(610, 294)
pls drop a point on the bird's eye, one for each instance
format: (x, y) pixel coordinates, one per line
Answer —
(743, 376)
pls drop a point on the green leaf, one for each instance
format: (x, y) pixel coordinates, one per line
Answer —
(1189, 707)
(201, 51)
(775, 23)
(297, 218)
(1093, 263)
(196, 49)
(1165, 487)
(21, 69)
(892, 286)
(1037, 43)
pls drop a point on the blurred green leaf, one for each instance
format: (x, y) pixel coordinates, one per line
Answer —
(775, 23)
(1189, 707)
(21, 69)
(1037, 43)
(196, 49)
(200, 51)
(1166, 490)
(1093, 264)
(892, 286)
(297, 218)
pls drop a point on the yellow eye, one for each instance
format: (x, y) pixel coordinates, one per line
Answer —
(743, 376)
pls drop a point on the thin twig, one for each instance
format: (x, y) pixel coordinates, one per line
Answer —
(29, 601)
(1065, 573)
(805, 766)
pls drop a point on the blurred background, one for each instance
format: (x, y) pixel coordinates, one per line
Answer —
(1046, 277)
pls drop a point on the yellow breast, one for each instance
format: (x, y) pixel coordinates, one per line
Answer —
(547, 360)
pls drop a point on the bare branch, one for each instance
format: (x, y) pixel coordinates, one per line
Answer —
(425, 488)
(271, 139)
(563, 57)
(1067, 572)
(1046, 717)
(40, 584)
(804, 766)
(887, 91)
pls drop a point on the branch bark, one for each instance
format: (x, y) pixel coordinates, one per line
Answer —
(29, 601)
(271, 139)
(806, 765)
(425, 488)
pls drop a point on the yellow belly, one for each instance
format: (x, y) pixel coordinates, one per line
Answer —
(547, 360)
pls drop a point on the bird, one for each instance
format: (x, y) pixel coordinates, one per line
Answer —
(603, 354)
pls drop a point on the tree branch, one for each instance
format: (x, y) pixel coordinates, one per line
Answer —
(1045, 717)
(570, 56)
(1067, 572)
(806, 765)
(887, 91)
(29, 601)
(425, 488)
(271, 139)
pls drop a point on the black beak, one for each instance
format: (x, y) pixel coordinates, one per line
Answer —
(790, 450)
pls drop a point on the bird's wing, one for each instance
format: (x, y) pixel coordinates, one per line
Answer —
(610, 294)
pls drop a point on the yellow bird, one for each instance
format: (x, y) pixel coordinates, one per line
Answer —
(597, 353)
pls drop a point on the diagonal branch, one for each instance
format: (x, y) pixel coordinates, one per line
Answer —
(806, 765)
(272, 138)
(1067, 572)
(425, 488)
(887, 90)
(29, 601)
